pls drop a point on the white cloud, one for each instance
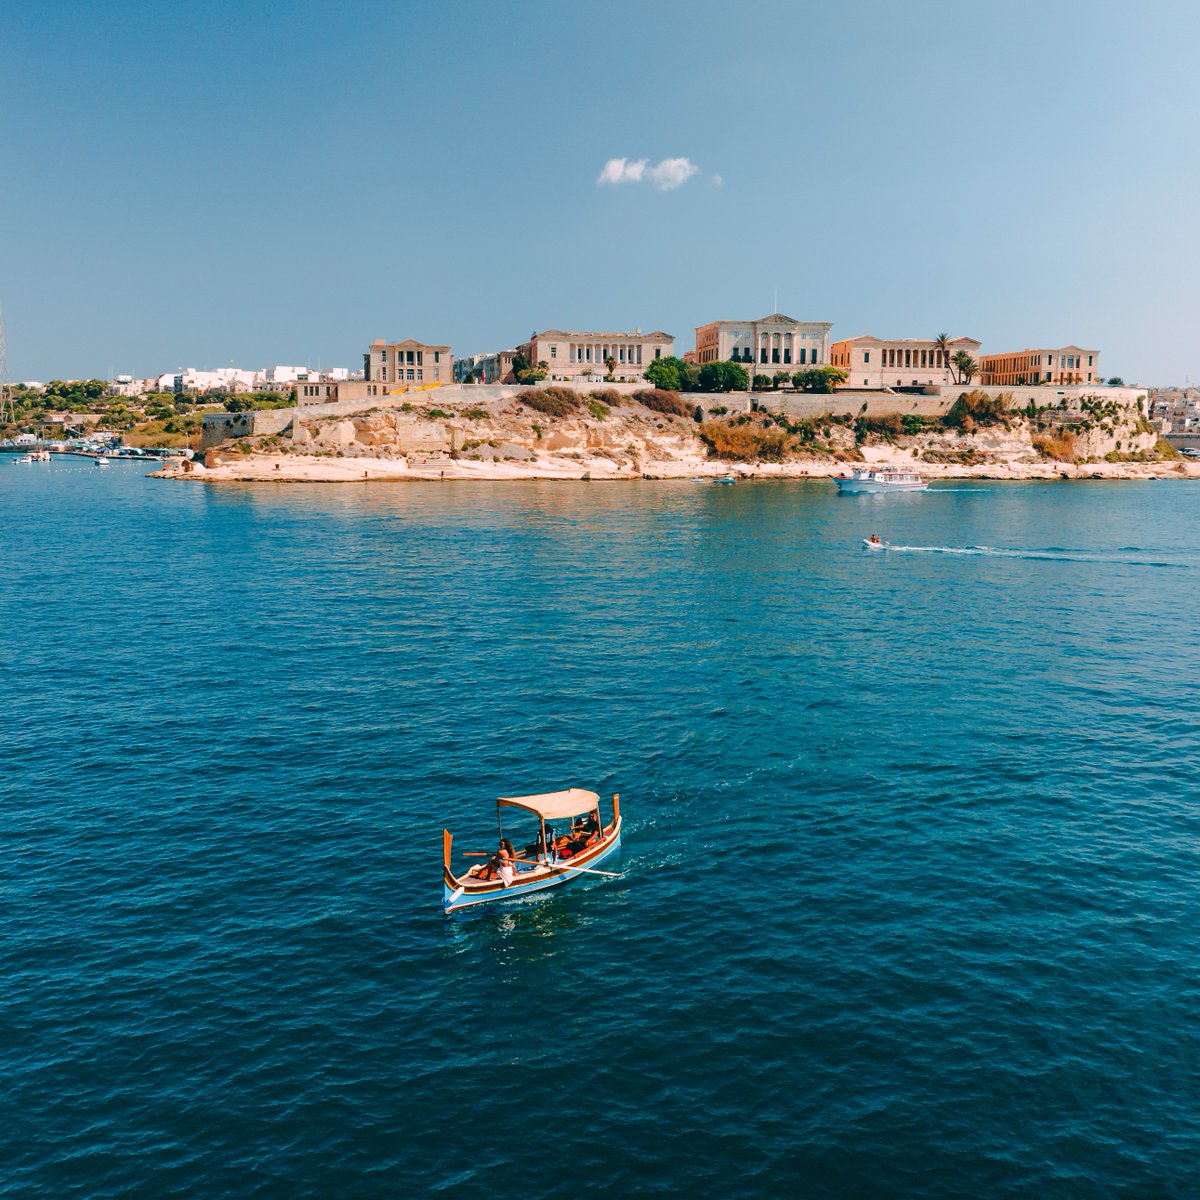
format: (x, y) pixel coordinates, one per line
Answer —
(671, 172)
(717, 181)
(621, 170)
(666, 175)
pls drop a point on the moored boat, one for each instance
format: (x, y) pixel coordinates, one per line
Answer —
(23, 458)
(101, 461)
(548, 860)
(866, 479)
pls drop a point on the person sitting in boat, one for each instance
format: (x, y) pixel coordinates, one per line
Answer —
(563, 847)
(537, 849)
(587, 829)
(874, 539)
(499, 866)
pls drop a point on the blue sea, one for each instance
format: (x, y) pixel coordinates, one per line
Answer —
(909, 901)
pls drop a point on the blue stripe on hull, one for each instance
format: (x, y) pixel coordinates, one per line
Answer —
(527, 889)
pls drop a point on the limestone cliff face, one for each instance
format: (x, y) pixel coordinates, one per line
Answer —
(624, 436)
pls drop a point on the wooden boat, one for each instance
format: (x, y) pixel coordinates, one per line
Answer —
(548, 862)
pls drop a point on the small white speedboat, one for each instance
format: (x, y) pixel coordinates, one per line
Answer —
(23, 458)
(101, 461)
(867, 480)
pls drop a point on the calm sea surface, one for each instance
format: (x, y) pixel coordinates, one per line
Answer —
(910, 901)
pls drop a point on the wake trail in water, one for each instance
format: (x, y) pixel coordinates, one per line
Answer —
(1049, 554)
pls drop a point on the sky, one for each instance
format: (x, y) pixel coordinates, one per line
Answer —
(206, 184)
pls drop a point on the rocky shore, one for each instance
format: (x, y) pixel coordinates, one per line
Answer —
(608, 437)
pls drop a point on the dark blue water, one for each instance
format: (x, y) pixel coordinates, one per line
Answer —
(910, 902)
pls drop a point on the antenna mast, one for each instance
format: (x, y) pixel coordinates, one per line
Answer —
(8, 413)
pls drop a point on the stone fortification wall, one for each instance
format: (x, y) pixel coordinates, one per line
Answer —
(219, 427)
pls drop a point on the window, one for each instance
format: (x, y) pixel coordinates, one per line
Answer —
(383, 374)
(1089, 363)
(408, 373)
(657, 351)
(787, 355)
(866, 357)
(437, 356)
(553, 351)
(410, 356)
(762, 355)
(420, 359)
(775, 354)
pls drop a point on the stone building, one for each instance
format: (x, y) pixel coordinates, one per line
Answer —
(1064, 364)
(871, 362)
(496, 367)
(771, 343)
(407, 362)
(582, 355)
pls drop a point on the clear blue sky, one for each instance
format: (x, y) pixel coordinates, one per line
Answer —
(205, 183)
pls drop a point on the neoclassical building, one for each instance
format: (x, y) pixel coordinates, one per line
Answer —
(770, 343)
(871, 362)
(407, 362)
(583, 355)
(1064, 364)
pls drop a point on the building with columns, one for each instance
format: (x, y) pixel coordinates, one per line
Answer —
(871, 362)
(582, 355)
(1064, 364)
(771, 344)
(400, 363)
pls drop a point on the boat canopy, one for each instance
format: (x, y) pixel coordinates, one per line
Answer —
(554, 806)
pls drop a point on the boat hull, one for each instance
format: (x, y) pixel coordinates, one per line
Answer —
(473, 893)
(850, 486)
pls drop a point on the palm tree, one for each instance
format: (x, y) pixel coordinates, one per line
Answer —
(942, 342)
(611, 364)
(966, 366)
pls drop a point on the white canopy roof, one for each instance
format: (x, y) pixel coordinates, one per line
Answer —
(553, 806)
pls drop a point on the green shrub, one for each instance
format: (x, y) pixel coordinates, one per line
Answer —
(553, 401)
(888, 427)
(597, 408)
(475, 414)
(914, 423)
(664, 402)
(744, 440)
(1060, 446)
(977, 409)
(439, 414)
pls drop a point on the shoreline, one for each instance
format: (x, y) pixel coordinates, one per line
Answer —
(276, 468)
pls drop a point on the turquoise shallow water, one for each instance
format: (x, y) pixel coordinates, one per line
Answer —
(910, 901)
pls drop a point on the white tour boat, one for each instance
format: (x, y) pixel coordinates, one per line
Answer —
(867, 480)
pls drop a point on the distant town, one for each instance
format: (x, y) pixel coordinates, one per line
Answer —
(774, 353)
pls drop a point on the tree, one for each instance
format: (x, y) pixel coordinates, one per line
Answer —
(782, 378)
(520, 364)
(723, 377)
(965, 366)
(1116, 381)
(819, 379)
(610, 365)
(665, 374)
(761, 382)
(942, 342)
